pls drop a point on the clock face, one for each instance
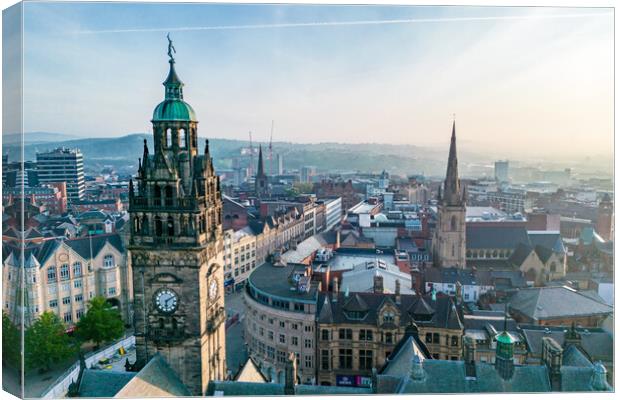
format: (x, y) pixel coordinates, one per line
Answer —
(166, 300)
(213, 289)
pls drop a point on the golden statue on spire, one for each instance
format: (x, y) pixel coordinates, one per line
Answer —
(171, 48)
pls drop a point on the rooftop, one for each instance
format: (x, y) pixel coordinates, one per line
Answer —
(280, 281)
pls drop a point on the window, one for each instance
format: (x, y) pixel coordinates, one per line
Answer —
(365, 359)
(308, 361)
(65, 287)
(67, 317)
(294, 340)
(298, 306)
(324, 334)
(79, 313)
(325, 359)
(64, 272)
(345, 358)
(271, 321)
(365, 334)
(53, 303)
(388, 317)
(308, 328)
(78, 298)
(51, 289)
(282, 338)
(182, 138)
(435, 337)
(261, 331)
(294, 326)
(168, 137)
(77, 269)
(270, 335)
(108, 261)
(77, 283)
(281, 356)
(345, 334)
(112, 291)
(429, 338)
(282, 324)
(388, 338)
(270, 352)
(308, 343)
(553, 267)
(455, 341)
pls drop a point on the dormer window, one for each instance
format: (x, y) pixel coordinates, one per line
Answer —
(388, 317)
(108, 261)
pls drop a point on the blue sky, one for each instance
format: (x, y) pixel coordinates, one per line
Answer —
(512, 76)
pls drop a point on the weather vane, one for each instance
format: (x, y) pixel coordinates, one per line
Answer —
(171, 48)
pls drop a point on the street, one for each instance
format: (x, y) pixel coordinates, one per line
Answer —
(236, 353)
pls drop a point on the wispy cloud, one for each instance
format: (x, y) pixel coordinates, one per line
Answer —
(349, 23)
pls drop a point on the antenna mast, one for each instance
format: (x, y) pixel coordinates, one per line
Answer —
(270, 151)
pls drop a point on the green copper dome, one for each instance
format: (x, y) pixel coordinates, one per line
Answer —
(504, 337)
(174, 110)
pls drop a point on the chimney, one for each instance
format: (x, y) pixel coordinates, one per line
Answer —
(397, 291)
(290, 375)
(377, 283)
(552, 357)
(469, 356)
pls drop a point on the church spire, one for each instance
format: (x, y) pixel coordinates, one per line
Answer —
(452, 186)
(261, 168)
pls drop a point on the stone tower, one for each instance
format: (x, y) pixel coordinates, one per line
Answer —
(261, 187)
(449, 240)
(176, 247)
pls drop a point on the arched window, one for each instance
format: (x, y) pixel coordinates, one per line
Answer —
(108, 261)
(174, 324)
(157, 191)
(182, 138)
(158, 226)
(494, 253)
(168, 192)
(77, 269)
(51, 274)
(168, 137)
(64, 272)
(453, 223)
(170, 226)
(145, 224)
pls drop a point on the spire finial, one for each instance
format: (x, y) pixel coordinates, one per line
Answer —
(207, 146)
(171, 49)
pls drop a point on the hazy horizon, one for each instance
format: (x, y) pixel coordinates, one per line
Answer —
(522, 81)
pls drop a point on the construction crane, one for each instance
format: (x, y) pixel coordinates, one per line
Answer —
(251, 156)
(271, 151)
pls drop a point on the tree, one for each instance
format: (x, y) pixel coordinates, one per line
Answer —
(101, 323)
(11, 343)
(47, 344)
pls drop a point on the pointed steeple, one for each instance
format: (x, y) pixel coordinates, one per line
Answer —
(261, 168)
(452, 185)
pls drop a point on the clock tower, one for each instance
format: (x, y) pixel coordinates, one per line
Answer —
(176, 247)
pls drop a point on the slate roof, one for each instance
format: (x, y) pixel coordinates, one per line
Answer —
(548, 239)
(555, 302)
(464, 276)
(543, 253)
(596, 342)
(82, 245)
(493, 236)
(521, 253)
(231, 388)
(444, 312)
(155, 379)
(97, 383)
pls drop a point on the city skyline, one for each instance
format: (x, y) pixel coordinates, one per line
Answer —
(316, 69)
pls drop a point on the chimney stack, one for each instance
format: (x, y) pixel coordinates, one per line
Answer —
(469, 356)
(552, 358)
(290, 375)
(377, 283)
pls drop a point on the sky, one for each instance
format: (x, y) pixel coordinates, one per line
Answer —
(535, 81)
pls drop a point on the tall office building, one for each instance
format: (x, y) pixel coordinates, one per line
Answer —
(280, 163)
(63, 165)
(501, 171)
(307, 173)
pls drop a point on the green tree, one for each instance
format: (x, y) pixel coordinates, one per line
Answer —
(47, 344)
(101, 323)
(11, 342)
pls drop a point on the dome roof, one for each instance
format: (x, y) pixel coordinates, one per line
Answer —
(174, 110)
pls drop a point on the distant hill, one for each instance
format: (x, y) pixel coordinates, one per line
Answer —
(37, 137)
(123, 152)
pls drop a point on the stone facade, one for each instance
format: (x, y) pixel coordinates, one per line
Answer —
(176, 248)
